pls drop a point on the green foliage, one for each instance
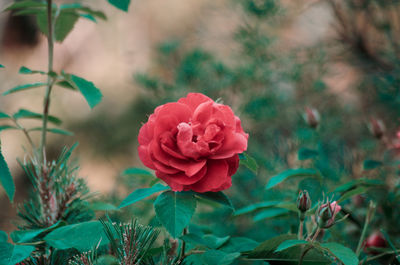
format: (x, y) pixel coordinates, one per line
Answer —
(174, 210)
(248, 162)
(218, 197)
(217, 257)
(6, 179)
(11, 254)
(27, 114)
(81, 236)
(90, 92)
(292, 173)
(344, 254)
(24, 87)
(120, 4)
(141, 194)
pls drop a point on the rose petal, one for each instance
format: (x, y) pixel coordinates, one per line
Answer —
(214, 179)
(144, 156)
(193, 100)
(234, 143)
(181, 178)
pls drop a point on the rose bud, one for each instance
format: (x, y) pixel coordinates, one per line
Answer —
(193, 144)
(311, 116)
(377, 128)
(375, 240)
(326, 214)
(303, 202)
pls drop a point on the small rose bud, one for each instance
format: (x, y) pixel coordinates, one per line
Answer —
(326, 214)
(377, 128)
(312, 117)
(375, 240)
(303, 201)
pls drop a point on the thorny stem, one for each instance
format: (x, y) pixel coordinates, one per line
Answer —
(50, 80)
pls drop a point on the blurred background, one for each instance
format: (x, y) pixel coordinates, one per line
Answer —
(268, 59)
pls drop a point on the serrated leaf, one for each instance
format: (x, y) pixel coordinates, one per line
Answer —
(82, 236)
(174, 210)
(4, 115)
(53, 130)
(248, 162)
(292, 173)
(344, 254)
(27, 114)
(120, 4)
(290, 243)
(372, 164)
(12, 254)
(5, 178)
(218, 197)
(90, 92)
(218, 257)
(141, 194)
(24, 87)
(134, 171)
(64, 24)
(25, 71)
(306, 153)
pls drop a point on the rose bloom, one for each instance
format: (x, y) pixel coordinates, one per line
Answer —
(193, 144)
(327, 213)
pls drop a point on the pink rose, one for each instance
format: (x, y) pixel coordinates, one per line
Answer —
(326, 214)
(193, 144)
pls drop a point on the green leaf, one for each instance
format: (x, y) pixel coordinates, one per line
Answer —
(7, 127)
(5, 178)
(218, 257)
(270, 213)
(218, 197)
(134, 171)
(174, 210)
(290, 256)
(256, 206)
(64, 24)
(24, 70)
(362, 182)
(25, 5)
(12, 254)
(120, 4)
(91, 93)
(4, 115)
(239, 244)
(351, 193)
(290, 243)
(24, 87)
(372, 164)
(141, 194)
(66, 84)
(82, 236)
(305, 153)
(3, 236)
(292, 173)
(248, 162)
(209, 241)
(102, 206)
(53, 130)
(2, 66)
(344, 254)
(27, 114)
